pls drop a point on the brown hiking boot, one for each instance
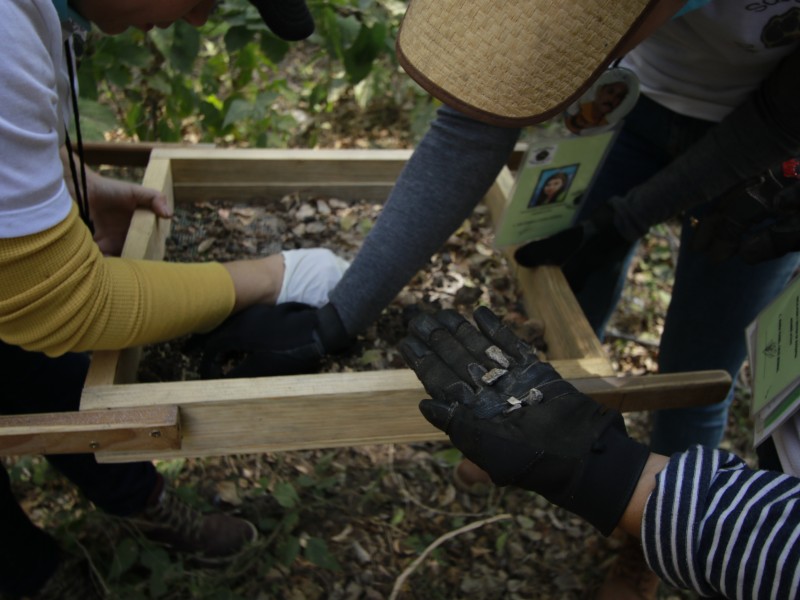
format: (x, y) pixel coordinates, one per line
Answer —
(211, 539)
(629, 578)
(72, 580)
(470, 478)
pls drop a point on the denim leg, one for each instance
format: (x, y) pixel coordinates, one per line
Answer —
(35, 383)
(650, 139)
(711, 306)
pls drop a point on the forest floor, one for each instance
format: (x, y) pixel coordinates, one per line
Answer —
(352, 523)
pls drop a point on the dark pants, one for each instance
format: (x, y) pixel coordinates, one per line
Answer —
(711, 304)
(35, 383)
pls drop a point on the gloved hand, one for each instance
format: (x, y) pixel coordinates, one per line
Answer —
(580, 249)
(758, 220)
(309, 276)
(518, 420)
(262, 340)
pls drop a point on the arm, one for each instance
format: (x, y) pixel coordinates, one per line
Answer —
(515, 417)
(448, 174)
(60, 293)
(718, 527)
(112, 204)
(446, 177)
(706, 521)
(631, 521)
(759, 134)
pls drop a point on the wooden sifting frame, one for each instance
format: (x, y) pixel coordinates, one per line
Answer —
(121, 420)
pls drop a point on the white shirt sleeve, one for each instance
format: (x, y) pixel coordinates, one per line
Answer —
(34, 101)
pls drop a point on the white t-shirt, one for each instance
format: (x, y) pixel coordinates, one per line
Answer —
(705, 63)
(34, 110)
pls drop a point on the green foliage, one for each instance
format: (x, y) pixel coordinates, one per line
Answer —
(316, 551)
(233, 82)
(285, 495)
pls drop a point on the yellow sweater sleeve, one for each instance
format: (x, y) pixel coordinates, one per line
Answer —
(60, 294)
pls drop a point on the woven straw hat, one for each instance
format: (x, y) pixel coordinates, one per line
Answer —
(514, 62)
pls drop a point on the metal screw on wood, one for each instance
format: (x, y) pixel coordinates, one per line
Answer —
(94, 445)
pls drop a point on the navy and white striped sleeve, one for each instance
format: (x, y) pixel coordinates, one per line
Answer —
(718, 527)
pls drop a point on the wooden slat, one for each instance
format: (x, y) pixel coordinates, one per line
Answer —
(264, 176)
(232, 166)
(146, 239)
(128, 154)
(546, 294)
(567, 332)
(345, 409)
(136, 154)
(144, 428)
(655, 392)
(269, 195)
(329, 410)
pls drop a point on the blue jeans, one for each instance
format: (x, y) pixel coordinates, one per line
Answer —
(711, 304)
(35, 383)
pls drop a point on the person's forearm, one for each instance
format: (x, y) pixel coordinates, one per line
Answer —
(760, 134)
(60, 294)
(256, 281)
(713, 525)
(448, 174)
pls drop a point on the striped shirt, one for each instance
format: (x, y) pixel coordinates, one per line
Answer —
(718, 527)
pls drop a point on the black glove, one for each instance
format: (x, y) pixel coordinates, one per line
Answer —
(758, 220)
(518, 420)
(580, 249)
(286, 339)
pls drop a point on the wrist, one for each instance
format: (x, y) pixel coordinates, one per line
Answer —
(611, 472)
(256, 281)
(331, 330)
(631, 521)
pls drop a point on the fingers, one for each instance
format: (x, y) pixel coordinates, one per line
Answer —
(478, 345)
(437, 377)
(438, 413)
(500, 335)
(457, 343)
(157, 202)
(148, 198)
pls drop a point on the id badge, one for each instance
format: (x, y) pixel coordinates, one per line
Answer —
(604, 104)
(563, 158)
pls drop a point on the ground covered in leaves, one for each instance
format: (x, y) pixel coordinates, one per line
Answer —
(368, 522)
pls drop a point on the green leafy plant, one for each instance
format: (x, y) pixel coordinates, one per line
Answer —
(233, 82)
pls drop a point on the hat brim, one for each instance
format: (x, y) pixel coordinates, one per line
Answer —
(516, 62)
(288, 19)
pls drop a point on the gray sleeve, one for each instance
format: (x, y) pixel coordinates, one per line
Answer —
(449, 172)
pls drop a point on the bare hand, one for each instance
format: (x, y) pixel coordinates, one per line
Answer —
(112, 204)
